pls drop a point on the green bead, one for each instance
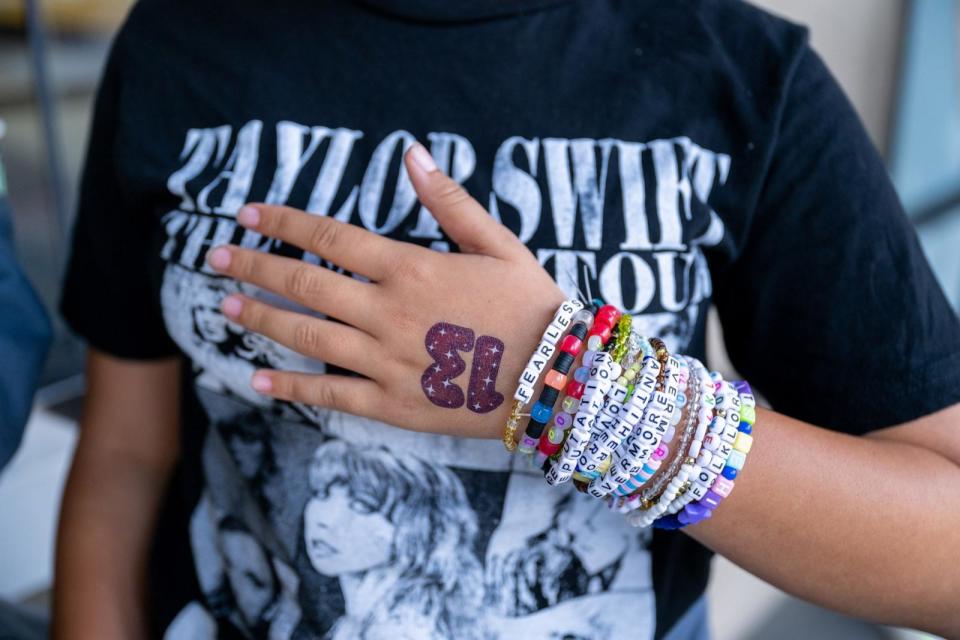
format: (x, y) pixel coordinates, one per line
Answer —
(747, 414)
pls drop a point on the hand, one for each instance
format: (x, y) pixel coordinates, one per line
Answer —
(440, 338)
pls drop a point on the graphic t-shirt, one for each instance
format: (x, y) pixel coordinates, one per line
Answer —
(670, 155)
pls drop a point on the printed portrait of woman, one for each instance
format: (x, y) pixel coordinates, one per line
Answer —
(399, 534)
(255, 592)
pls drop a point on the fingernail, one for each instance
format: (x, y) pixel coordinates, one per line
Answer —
(219, 258)
(248, 216)
(260, 383)
(422, 157)
(231, 306)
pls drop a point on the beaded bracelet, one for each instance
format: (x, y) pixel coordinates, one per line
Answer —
(636, 446)
(591, 402)
(711, 463)
(554, 381)
(637, 464)
(723, 485)
(535, 366)
(651, 493)
(689, 474)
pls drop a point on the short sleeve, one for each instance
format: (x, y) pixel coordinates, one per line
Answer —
(106, 297)
(831, 309)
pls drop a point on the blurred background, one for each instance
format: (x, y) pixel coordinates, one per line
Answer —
(898, 60)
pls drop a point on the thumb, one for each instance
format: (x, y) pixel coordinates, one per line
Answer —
(463, 218)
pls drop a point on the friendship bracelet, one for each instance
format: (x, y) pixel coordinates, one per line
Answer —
(636, 447)
(554, 381)
(711, 464)
(636, 467)
(723, 485)
(691, 475)
(650, 494)
(535, 366)
(591, 402)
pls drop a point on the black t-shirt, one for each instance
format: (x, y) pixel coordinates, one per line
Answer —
(679, 153)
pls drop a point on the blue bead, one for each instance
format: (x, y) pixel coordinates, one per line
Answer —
(729, 473)
(746, 427)
(541, 412)
(582, 374)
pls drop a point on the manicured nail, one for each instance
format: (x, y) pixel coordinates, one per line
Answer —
(232, 306)
(219, 258)
(423, 158)
(260, 383)
(248, 216)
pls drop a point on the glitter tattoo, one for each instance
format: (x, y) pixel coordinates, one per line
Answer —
(444, 341)
(482, 396)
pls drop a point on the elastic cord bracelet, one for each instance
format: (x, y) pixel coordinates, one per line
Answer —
(637, 447)
(651, 493)
(536, 365)
(710, 463)
(555, 380)
(722, 487)
(592, 401)
(636, 465)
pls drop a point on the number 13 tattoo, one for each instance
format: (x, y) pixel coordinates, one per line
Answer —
(444, 341)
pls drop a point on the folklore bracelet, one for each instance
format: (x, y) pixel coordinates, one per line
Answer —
(710, 464)
(535, 366)
(723, 485)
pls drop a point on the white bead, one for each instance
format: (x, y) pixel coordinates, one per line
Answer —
(618, 392)
(717, 463)
(697, 490)
(729, 434)
(524, 393)
(704, 458)
(694, 450)
(583, 316)
(711, 441)
(748, 400)
(530, 375)
(632, 415)
(615, 369)
(594, 343)
(553, 333)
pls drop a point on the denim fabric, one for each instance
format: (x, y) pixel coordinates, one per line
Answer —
(24, 338)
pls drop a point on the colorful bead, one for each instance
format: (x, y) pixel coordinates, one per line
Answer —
(582, 374)
(661, 452)
(575, 388)
(541, 412)
(748, 414)
(555, 379)
(563, 420)
(571, 344)
(743, 442)
(570, 404)
(603, 331)
(722, 486)
(594, 342)
(736, 459)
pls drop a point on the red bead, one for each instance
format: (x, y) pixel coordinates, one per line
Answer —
(602, 330)
(546, 447)
(571, 344)
(575, 389)
(608, 314)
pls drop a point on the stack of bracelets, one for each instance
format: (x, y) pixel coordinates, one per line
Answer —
(623, 411)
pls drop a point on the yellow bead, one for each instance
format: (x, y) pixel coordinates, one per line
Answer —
(630, 374)
(743, 442)
(604, 466)
(747, 414)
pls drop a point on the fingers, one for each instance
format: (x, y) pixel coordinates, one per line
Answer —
(357, 396)
(323, 340)
(346, 245)
(463, 218)
(312, 286)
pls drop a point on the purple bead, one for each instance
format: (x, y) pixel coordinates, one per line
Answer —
(582, 374)
(693, 513)
(742, 386)
(712, 499)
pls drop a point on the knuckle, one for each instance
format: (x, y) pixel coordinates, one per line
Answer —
(414, 268)
(451, 194)
(327, 396)
(301, 281)
(325, 234)
(307, 338)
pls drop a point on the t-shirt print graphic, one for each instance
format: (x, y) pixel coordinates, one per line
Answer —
(318, 524)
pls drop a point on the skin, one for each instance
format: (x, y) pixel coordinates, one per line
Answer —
(864, 525)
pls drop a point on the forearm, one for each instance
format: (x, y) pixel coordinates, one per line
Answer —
(107, 520)
(862, 525)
